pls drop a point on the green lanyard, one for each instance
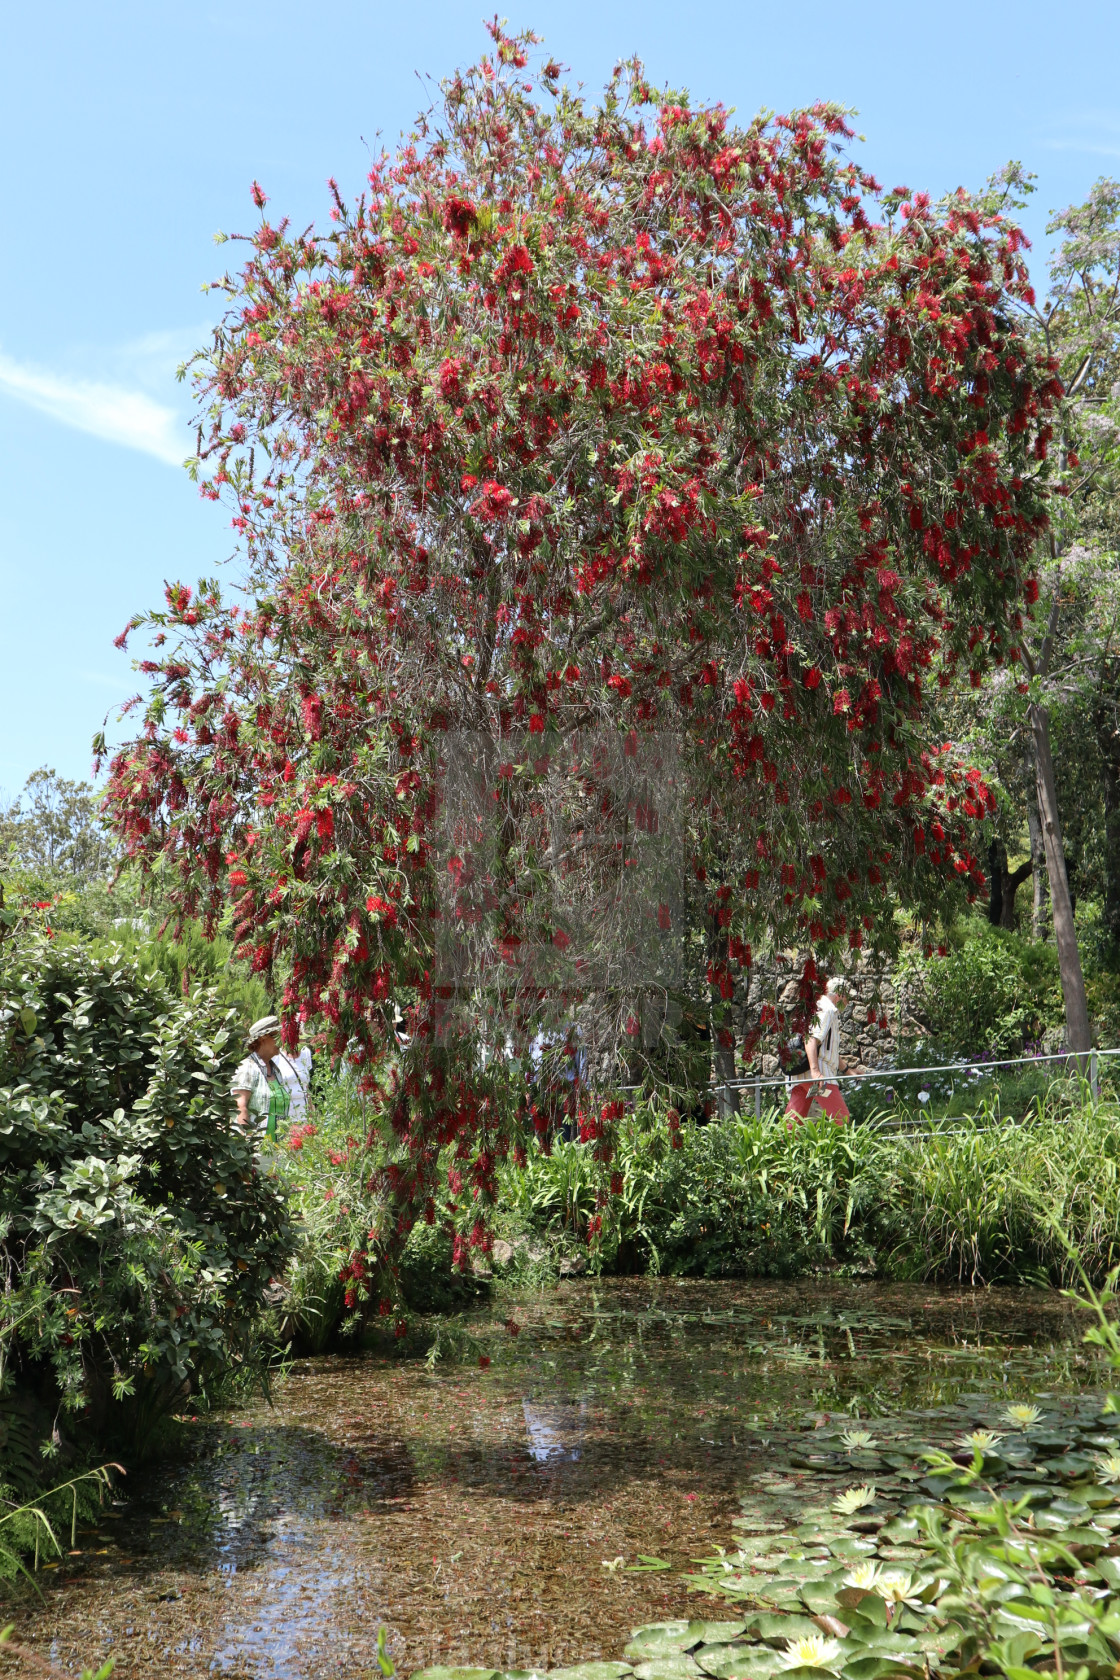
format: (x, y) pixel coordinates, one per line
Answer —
(279, 1101)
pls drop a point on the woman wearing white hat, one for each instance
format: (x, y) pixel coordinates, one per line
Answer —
(263, 1097)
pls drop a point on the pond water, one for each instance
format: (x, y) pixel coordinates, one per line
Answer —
(485, 1510)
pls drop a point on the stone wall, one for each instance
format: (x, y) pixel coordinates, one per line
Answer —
(895, 1008)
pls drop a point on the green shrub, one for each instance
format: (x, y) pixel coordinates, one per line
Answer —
(995, 993)
(736, 1198)
(138, 1231)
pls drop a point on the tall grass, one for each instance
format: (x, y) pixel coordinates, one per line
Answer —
(982, 1204)
(989, 1203)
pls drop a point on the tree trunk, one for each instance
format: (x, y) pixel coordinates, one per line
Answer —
(1003, 884)
(1038, 866)
(997, 869)
(1065, 933)
(1108, 740)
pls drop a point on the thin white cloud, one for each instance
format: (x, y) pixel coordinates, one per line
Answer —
(1093, 147)
(106, 411)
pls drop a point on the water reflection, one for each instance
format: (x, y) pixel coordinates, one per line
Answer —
(471, 1510)
(555, 1430)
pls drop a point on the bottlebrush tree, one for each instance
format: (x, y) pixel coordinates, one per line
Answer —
(619, 422)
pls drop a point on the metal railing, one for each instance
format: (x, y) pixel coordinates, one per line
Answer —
(1086, 1065)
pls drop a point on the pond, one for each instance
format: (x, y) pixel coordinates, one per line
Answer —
(489, 1509)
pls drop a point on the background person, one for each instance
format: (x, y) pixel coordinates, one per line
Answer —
(822, 1049)
(263, 1099)
(295, 1071)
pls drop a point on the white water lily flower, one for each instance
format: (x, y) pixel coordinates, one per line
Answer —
(863, 1575)
(1108, 1467)
(853, 1499)
(1020, 1416)
(894, 1585)
(923, 1096)
(857, 1440)
(980, 1440)
(813, 1651)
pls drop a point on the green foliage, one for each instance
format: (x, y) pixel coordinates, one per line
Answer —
(138, 1230)
(996, 990)
(755, 1198)
(187, 960)
(33, 1527)
(335, 1167)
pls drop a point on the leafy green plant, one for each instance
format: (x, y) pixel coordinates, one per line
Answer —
(334, 1166)
(976, 1203)
(138, 1229)
(27, 1529)
(995, 991)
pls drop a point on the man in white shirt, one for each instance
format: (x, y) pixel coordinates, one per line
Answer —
(822, 1049)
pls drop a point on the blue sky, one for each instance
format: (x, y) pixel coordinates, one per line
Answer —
(129, 133)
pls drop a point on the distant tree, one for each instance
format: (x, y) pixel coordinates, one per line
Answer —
(55, 827)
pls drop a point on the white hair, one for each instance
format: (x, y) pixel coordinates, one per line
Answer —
(836, 983)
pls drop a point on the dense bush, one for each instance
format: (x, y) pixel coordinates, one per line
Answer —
(138, 1231)
(996, 992)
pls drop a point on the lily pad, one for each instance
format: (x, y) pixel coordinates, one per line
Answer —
(874, 1667)
(592, 1671)
(819, 1596)
(678, 1667)
(716, 1633)
(659, 1639)
(454, 1674)
(781, 1628)
(728, 1662)
(851, 1546)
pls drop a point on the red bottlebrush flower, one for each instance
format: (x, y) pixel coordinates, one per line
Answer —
(632, 1026)
(1030, 590)
(561, 940)
(536, 724)
(459, 216)
(382, 909)
(238, 878)
(664, 918)
(259, 196)
(450, 377)
(617, 1184)
(312, 709)
(812, 677)
(621, 685)
(513, 1327)
(324, 823)
(41, 904)
(842, 701)
(495, 502)
(513, 265)
(484, 1361)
